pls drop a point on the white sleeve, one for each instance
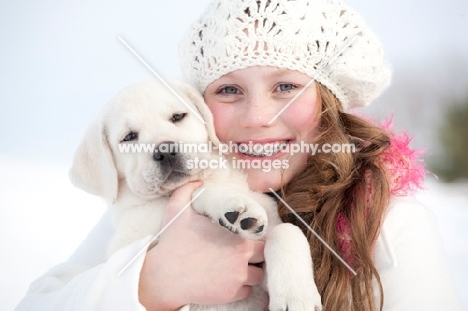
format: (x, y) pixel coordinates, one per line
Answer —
(88, 280)
(411, 262)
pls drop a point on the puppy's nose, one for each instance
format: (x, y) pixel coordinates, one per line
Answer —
(165, 153)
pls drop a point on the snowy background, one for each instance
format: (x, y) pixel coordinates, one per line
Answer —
(61, 60)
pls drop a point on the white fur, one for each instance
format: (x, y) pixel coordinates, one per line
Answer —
(138, 188)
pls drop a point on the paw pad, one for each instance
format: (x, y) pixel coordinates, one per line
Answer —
(232, 217)
(248, 223)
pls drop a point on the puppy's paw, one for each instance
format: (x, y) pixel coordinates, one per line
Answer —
(291, 286)
(294, 292)
(244, 216)
(299, 300)
(294, 305)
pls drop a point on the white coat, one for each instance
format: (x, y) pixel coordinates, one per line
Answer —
(408, 255)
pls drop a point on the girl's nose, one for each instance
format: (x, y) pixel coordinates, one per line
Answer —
(259, 112)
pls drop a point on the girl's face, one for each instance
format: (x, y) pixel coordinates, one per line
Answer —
(244, 102)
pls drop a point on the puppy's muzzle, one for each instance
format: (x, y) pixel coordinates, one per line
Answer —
(166, 153)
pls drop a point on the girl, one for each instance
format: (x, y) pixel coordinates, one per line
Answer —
(281, 73)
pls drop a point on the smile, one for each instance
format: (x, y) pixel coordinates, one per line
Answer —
(262, 150)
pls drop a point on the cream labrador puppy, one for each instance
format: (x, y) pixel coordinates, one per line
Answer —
(145, 143)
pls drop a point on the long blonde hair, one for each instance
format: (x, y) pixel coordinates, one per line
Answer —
(350, 186)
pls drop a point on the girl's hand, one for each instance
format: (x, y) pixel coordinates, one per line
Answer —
(197, 261)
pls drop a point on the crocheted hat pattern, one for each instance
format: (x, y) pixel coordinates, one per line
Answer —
(302, 35)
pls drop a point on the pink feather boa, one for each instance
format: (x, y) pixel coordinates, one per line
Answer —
(406, 172)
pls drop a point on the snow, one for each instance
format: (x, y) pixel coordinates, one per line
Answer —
(44, 218)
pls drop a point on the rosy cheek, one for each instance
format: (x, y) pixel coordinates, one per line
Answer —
(221, 119)
(303, 115)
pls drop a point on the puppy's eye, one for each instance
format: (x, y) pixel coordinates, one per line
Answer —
(130, 136)
(176, 117)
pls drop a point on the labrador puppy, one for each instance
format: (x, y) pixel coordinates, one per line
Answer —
(133, 155)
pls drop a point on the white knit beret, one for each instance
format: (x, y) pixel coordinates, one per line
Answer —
(302, 35)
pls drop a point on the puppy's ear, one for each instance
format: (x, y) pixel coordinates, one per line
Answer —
(93, 168)
(196, 98)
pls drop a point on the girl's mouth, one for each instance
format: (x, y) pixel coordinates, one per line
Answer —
(262, 150)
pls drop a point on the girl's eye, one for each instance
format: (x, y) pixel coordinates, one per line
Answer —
(230, 90)
(286, 87)
(130, 136)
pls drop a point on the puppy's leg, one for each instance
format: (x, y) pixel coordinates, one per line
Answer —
(289, 270)
(257, 301)
(136, 222)
(233, 209)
